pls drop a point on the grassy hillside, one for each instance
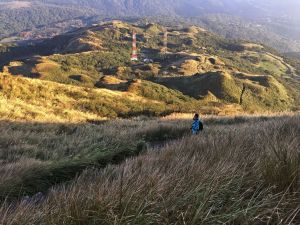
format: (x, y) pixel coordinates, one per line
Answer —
(200, 65)
(253, 92)
(24, 99)
(234, 176)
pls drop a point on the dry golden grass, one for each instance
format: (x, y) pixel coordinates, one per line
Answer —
(250, 46)
(86, 43)
(190, 67)
(112, 80)
(38, 100)
(35, 156)
(46, 66)
(241, 170)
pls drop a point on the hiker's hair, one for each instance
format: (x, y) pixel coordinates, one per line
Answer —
(196, 115)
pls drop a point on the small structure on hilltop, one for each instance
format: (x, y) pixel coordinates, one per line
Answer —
(147, 60)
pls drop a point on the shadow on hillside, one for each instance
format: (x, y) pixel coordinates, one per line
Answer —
(76, 78)
(194, 86)
(114, 87)
(25, 69)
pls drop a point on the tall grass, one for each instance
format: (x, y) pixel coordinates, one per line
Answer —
(36, 156)
(239, 171)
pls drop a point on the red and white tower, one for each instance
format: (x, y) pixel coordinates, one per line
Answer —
(134, 56)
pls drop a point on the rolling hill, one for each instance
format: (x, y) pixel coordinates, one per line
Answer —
(200, 72)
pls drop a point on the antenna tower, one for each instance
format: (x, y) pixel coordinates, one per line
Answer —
(134, 55)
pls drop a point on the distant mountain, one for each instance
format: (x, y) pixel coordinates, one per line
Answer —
(16, 16)
(294, 54)
(244, 8)
(272, 22)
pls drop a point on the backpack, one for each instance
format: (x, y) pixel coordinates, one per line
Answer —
(201, 127)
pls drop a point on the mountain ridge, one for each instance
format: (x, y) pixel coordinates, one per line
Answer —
(263, 21)
(200, 72)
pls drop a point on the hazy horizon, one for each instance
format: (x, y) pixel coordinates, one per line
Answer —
(258, 20)
(247, 8)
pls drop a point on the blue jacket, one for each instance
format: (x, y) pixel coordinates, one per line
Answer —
(196, 126)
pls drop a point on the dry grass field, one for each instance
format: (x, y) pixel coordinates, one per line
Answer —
(240, 170)
(90, 138)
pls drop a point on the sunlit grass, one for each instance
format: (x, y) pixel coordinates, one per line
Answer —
(241, 170)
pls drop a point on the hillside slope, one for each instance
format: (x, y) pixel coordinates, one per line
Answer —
(24, 99)
(200, 65)
(238, 171)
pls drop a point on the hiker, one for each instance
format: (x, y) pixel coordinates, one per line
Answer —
(197, 125)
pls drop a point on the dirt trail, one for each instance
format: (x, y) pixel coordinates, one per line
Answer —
(290, 70)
